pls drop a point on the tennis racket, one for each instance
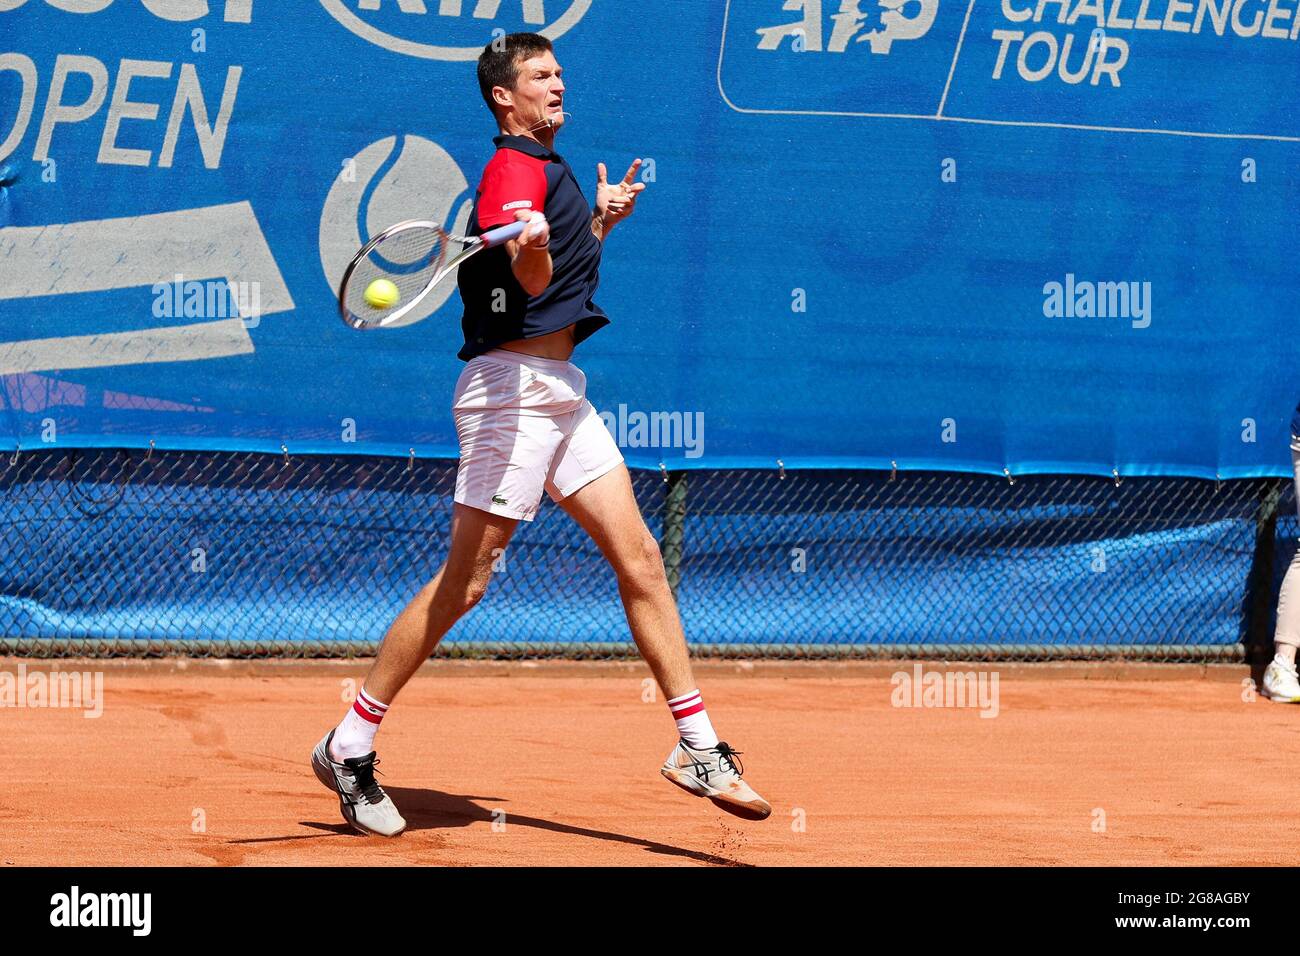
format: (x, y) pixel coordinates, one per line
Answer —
(415, 256)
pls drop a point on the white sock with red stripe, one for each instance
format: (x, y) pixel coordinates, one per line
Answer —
(355, 734)
(693, 724)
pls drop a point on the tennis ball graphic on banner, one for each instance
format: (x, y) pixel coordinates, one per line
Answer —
(390, 181)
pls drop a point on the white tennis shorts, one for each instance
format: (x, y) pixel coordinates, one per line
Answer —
(525, 426)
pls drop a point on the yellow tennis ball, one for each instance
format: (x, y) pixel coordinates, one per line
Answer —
(382, 294)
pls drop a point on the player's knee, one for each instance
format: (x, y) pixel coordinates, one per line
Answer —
(475, 587)
(642, 568)
(461, 590)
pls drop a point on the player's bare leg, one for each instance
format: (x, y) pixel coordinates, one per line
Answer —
(477, 540)
(607, 510)
(345, 759)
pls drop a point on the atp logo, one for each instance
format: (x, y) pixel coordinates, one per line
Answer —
(456, 29)
(383, 185)
(878, 27)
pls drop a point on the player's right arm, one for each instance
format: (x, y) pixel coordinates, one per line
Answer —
(530, 257)
(513, 191)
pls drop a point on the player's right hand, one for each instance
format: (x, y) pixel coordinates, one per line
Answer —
(538, 233)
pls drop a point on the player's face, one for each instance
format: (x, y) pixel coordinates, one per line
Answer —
(539, 92)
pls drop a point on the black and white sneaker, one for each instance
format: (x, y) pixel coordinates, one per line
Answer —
(715, 773)
(362, 801)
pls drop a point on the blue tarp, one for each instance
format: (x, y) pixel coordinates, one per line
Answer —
(1026, 236)
(962, 236)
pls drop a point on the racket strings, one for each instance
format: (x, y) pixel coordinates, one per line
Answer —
(409, 259)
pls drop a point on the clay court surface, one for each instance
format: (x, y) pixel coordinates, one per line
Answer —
(1185, 770)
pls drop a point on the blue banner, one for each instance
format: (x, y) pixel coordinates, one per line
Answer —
(1026, 235)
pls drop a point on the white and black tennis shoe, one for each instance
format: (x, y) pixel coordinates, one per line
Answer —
(715, 773)
(362, 801)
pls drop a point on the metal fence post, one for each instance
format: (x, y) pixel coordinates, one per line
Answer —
(674, 532)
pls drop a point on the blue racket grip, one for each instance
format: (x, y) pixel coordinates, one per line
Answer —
(494, 237)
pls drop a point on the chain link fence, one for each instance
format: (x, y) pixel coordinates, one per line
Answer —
(113, 552)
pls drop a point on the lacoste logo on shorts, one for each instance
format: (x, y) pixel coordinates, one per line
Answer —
(497, 499)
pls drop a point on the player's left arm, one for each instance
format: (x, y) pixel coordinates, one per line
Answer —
(614, 201)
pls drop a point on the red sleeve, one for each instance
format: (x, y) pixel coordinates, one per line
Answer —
(509, 185)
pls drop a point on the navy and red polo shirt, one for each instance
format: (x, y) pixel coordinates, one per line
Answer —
(524, 174)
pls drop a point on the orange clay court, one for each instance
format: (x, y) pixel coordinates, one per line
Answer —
(1184, 769)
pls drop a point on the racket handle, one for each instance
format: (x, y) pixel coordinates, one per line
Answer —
(494, 237)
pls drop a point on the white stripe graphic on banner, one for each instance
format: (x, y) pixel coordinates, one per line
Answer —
(212, 242)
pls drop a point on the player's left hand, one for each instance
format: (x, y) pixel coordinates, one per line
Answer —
(616, 201)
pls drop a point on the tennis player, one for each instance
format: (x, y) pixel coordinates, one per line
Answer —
(1280, 683)
(525, 426)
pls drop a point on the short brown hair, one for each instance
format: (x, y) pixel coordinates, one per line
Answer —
(498, 64)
